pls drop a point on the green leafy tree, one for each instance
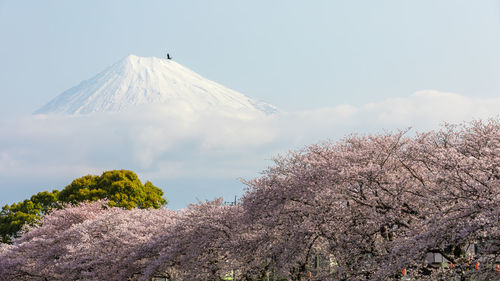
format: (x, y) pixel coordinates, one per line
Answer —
(14, 217)
(122, 188)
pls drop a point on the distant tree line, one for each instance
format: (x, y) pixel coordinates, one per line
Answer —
(363, 208)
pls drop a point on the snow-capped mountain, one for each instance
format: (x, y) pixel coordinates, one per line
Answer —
(137, 81)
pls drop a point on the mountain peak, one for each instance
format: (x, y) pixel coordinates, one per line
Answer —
(135, 80)
(133, 59)
(131, 56)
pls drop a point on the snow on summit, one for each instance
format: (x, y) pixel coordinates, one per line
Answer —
(137, 81)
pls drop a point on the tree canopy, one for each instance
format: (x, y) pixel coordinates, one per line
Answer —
(122, 188)
(15, 216)
(362, 208)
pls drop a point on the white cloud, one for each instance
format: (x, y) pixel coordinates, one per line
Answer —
(424, 108)
(165, 143)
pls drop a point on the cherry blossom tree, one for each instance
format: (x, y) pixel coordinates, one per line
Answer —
(349, 197)
(362, 208)
(367, 195)
(36, 253)
(101, 247)
(464, 172)
(198, 246)
(85, 242)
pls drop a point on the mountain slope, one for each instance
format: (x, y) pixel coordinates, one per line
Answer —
(137, 81)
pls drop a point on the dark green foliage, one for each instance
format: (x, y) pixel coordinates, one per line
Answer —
(121, 187)
(14, 217)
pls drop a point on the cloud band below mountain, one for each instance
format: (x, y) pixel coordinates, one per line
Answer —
(166, 143)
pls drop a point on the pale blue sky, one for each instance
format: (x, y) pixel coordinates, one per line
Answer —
(294, 54)
(297, 55)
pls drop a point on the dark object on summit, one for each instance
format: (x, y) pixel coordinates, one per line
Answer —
(168, 56)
